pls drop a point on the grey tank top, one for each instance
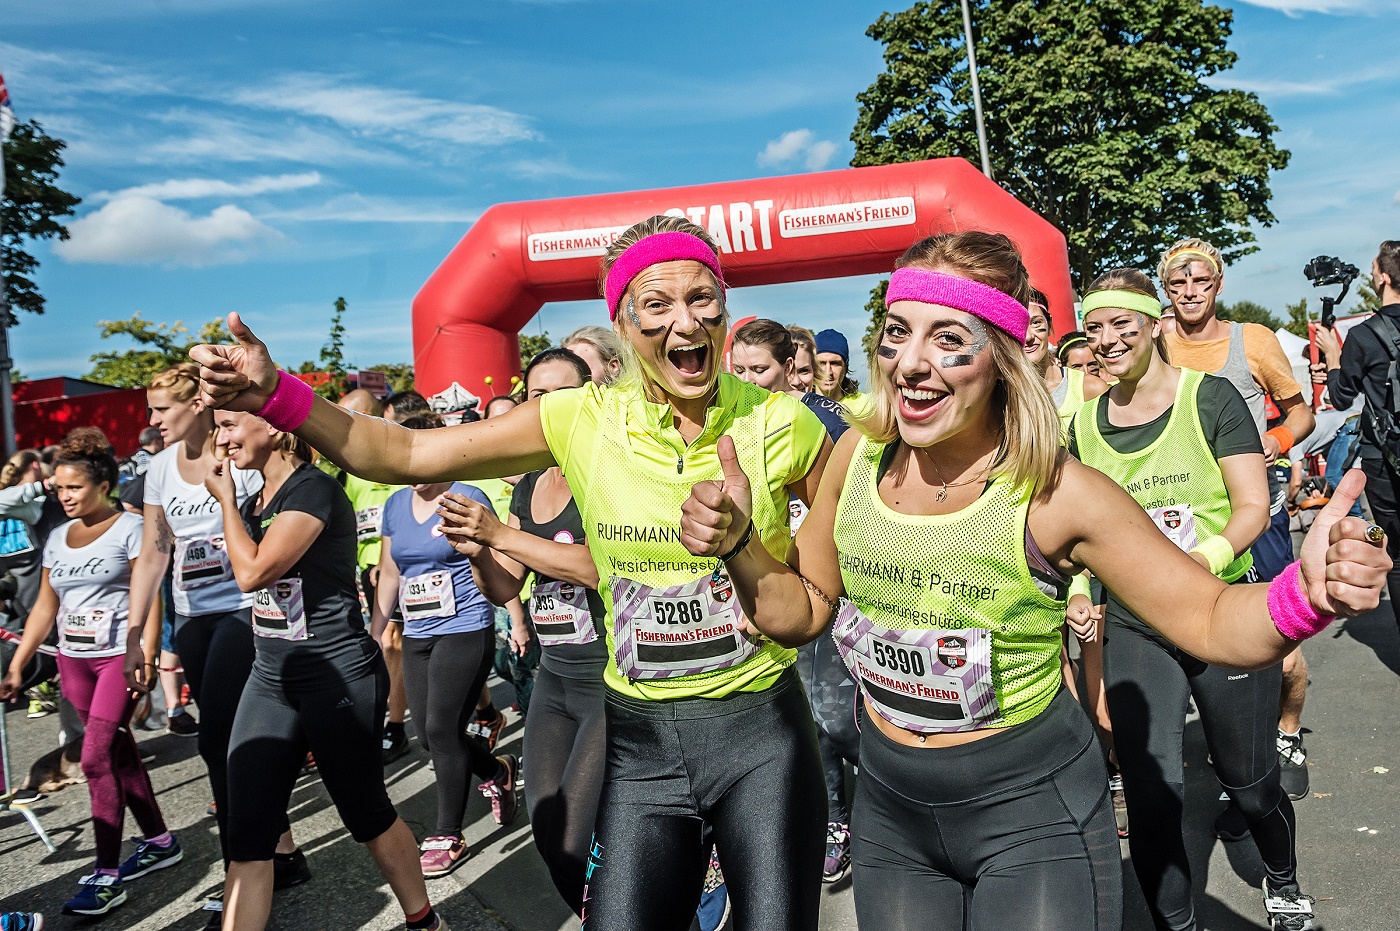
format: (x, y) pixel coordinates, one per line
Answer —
(1236, 371)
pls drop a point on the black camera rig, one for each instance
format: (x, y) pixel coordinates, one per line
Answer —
(1326, 270)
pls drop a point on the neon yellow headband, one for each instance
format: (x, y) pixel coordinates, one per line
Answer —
(1167, 263)
(1124, 300)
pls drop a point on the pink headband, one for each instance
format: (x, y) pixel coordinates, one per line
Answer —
(998, 308)
(652, 250)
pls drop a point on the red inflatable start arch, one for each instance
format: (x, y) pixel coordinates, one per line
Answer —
(828, 224)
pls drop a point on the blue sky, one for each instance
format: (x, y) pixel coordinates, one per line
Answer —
(267, 156)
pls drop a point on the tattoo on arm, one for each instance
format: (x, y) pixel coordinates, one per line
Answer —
(165, 537)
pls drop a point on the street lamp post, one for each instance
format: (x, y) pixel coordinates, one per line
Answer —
(976, 92)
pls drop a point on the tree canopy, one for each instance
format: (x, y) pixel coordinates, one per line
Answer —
(1098, 115)
(160, 347)
(1248, 312)
(32, 207)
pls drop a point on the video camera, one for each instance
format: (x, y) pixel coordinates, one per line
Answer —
(1325, 270)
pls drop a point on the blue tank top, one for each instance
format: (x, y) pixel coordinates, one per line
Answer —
(437, 592)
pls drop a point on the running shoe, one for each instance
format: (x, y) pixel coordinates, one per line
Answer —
(148, 858)
(214, 908)
(182, 725)
(501, 791)
(289, 869)
(99, 894)
(1120, 804)
(1288, 911)
(1230, 825)
(838, 852)
(441, 855)
(488, 729)
(395, 744)
(21, 921)
(1293, 765)
(43, 700)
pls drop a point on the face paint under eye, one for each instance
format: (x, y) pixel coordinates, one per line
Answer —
(632, 313)
(980, 340)
(710, 323)
(886, 352)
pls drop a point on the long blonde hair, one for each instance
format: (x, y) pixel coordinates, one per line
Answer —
(1030, 427)
(631, 365)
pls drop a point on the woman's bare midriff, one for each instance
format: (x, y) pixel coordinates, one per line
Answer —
(910, 739)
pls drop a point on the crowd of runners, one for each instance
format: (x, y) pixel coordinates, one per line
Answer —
(1002, 570)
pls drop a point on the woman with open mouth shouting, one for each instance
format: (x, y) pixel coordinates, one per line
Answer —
(948, 527)
(710, 740)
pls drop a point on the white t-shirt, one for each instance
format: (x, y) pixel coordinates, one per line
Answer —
(93, 583)
(204, 582)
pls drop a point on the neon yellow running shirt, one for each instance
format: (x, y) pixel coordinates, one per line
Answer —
(963, 573)
(1068, 397)
(630, 472)
(1176, 478)
(368, 499)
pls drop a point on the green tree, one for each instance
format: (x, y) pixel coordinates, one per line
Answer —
(875, 307)
(398, 375)
(531, 346)
(332, 357)
(32, 207)
(1367, 300)
(1098, 116)
(160, 347)
(1298, 318)
(1248, 312)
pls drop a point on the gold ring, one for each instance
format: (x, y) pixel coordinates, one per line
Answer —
(1376, 534)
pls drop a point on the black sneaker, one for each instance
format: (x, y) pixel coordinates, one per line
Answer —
(487, 729)
(289, 869)
(1292, 765)
(148, 858)
(1230, 826)
(214, 908)
(182, 725)
(395, 744)
(1288, 911)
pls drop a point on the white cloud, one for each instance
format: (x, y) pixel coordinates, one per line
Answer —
(799, 146)
(136, 229)
(357, 208)
(1297, 7)
(196, 188)
(386, 112)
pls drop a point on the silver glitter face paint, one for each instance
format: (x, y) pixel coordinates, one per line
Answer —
(981, 338)
(632, 313)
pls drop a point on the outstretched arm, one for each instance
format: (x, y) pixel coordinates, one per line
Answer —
(1100, 527)
(242, 377)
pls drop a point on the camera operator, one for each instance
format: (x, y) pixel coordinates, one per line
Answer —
(1366, 366)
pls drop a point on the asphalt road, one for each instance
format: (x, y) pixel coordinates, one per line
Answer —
(1349, 829)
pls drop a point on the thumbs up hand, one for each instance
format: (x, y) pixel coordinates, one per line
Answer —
(240, 377)
(717, 514)
(1343, 571)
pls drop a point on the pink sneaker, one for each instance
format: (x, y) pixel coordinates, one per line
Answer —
(441, 855)
(501, 791)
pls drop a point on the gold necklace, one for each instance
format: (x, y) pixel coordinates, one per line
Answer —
(943, 492)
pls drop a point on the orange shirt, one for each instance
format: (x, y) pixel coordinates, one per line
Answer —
(1267, 362)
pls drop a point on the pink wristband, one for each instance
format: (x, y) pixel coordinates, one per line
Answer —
(290, 403)
(1293, 614)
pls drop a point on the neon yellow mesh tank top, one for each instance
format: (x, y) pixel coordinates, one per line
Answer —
(954, 572)
(1072, 387)
(1176, 478)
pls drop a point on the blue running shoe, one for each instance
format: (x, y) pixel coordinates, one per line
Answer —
(98, 896)
(148, 858)
(21, 921)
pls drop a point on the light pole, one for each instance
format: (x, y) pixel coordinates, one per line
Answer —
(976, 92)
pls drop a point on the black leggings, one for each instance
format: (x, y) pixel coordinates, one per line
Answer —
(741, 773)
(566, 744)
(1381, 488)
(443, 676)
(832, 694)
(341, 724)
(1148, 683)
(217, 653)
(1011, 831)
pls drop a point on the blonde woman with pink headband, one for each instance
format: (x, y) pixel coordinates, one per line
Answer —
(710, 740)
(938, 555)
